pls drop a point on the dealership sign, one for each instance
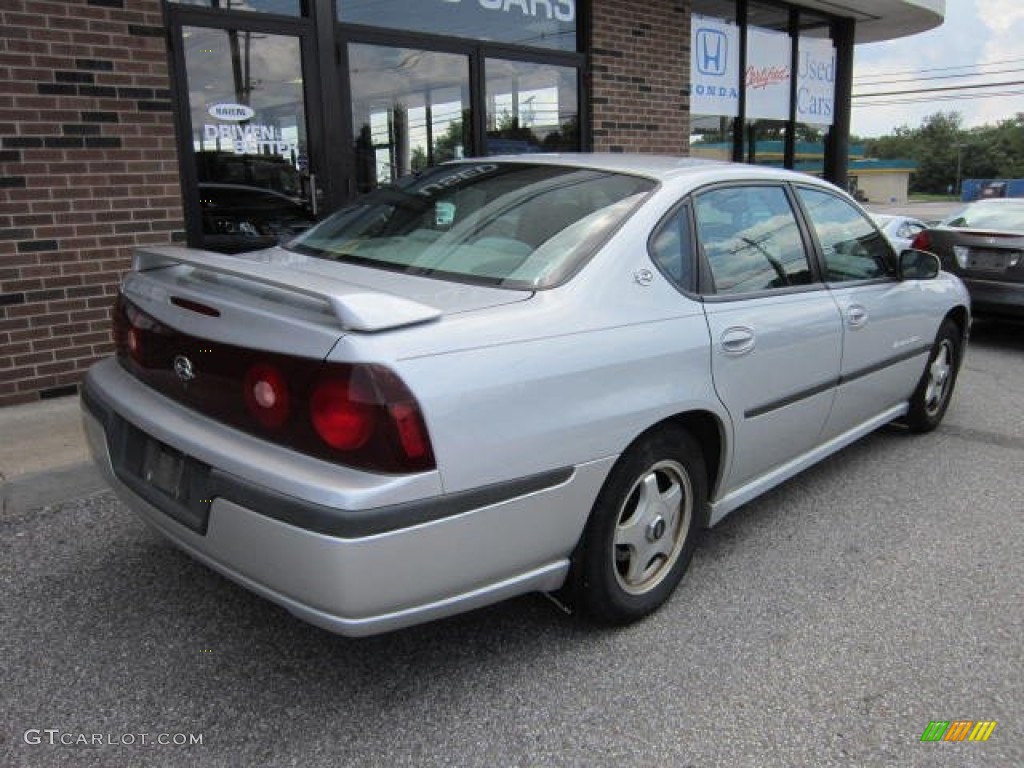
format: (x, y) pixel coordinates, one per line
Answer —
(544, 23)
(768, 74)
(715, 73)
(714, 67)
(233, 112)
(249, 139)
(563, 10)
(816, 82)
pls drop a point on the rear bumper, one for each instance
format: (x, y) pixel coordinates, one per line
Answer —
(358, 556)
(990, 297)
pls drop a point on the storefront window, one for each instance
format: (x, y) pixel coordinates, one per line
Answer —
(773, 90)
(249, 138)
(531, 108)
(282, 7)
(767, 83)
(715, 73)
(410, 110)
(538, 23)
(816, 76)
(711, 137)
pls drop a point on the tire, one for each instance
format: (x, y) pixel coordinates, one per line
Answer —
(930, 400)
(643, 528)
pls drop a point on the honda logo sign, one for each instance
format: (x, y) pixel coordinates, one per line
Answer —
(712, 52)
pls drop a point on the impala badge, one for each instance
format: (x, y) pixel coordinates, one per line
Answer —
(183, 367)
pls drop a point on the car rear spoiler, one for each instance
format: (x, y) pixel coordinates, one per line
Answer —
(355, 308)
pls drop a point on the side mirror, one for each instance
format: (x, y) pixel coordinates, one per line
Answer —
(918, 265)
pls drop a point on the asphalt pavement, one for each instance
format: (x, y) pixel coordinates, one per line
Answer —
(824, 624)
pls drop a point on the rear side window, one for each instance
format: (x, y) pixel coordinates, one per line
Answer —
(671, 251)
(751, 240)
(853, 247)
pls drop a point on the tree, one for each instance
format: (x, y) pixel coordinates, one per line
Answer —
(939, 145)
(985, 152)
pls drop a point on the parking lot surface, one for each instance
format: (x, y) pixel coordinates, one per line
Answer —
(826, 624)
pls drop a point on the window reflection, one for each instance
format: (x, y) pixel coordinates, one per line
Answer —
(751, 240)
(853, 248)
(410, 110)
(249, 138)
(531, 108)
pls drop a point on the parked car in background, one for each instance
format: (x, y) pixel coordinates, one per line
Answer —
(900, 230)
(507, 375)
(983, 243)
(994, 189)
(239, 218)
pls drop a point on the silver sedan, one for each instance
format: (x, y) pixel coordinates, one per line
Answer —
(901, 230)
(507, 375)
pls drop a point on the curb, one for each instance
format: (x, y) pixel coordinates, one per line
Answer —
(28, 492)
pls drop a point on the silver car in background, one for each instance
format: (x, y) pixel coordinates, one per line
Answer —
(508, 375)
(900, 230)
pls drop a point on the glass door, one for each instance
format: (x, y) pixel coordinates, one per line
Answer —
(254, 178)
(410, 110)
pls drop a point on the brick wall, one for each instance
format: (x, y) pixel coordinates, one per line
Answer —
(640, 64)
(88, 170)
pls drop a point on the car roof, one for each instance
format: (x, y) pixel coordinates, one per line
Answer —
(659, 167)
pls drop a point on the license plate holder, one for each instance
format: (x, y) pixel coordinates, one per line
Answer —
(172, 481)
(993, 261)
(164, 469)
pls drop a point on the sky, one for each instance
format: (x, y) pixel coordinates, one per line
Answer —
(981, 37)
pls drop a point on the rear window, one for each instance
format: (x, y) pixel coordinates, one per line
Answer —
(513, 225)
(1001, 216)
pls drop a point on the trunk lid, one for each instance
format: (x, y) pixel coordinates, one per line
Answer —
(245, 339)
(989, 254)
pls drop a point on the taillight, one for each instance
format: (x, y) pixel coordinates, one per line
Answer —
(128, 337)
(368, 415)
(265, 391)
(411, 431)
(922, 241)
(342, 413)
(357, 415)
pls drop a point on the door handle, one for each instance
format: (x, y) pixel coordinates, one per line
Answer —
(738, 340)
(856, 316)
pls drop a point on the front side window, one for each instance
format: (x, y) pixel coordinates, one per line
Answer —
(750, 239)
(512, 225)
(852, 246)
